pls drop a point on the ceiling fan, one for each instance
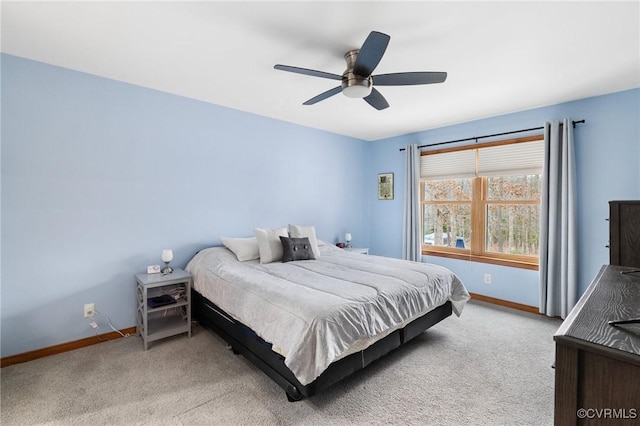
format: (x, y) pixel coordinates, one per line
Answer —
(357, 81)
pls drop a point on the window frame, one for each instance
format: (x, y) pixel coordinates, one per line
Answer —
(476, 252)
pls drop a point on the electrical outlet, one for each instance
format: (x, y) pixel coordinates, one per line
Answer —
(487, 278)
(89, 310)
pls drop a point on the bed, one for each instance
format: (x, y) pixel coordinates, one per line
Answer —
(309, 323)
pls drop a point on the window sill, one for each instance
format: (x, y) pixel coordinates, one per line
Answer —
(461, 255)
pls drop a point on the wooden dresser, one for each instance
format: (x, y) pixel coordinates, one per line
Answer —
(624, 233)
(597, 364)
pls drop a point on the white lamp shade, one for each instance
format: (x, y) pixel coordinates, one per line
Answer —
(167, 255)
(347, 236)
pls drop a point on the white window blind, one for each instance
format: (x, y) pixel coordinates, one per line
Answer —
(448, 165)
(513, 159)
(502, 160)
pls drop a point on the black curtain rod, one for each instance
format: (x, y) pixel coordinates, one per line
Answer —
(475, 138)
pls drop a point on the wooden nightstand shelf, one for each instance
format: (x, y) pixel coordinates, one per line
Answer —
(154, 323)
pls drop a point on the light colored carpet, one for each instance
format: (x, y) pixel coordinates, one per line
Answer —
(491, 366)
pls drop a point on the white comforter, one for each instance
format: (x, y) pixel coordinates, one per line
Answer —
(314, 312)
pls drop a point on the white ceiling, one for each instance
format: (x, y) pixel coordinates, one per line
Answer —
(500, 57)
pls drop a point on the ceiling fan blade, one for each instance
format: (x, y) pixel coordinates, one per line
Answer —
(371, 53)
(323, 96)
(409, 78)
(376, 100)
(306, 71)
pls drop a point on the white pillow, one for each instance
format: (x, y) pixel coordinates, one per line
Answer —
(243, 248)
(297, 231)
(269, 244)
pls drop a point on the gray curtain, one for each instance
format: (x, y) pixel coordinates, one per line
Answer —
(558, 227)
(411, 247)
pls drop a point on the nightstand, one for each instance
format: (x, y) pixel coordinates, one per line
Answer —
(361, 250)
(156, 321)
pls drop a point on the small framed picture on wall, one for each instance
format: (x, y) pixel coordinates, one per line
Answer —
(385, 186)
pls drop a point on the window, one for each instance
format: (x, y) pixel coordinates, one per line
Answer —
(482, 202)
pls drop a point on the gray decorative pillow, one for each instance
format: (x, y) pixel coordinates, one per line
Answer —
(296, 249)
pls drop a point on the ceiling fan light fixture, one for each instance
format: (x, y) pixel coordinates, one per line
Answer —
(356, 91)
(357, 80)
(355, 86)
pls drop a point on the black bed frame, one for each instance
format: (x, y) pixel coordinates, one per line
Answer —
(244, 341)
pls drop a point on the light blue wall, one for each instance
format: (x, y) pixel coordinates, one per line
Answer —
(99, 176)
(608, 168)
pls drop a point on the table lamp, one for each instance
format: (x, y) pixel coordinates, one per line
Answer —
(167, 256)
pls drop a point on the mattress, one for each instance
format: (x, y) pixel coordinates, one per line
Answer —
(315, 312)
